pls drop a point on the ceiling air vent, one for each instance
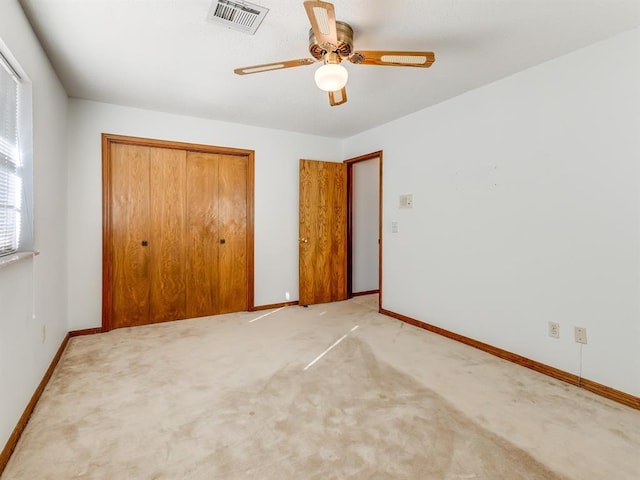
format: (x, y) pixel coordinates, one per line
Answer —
(243, 16)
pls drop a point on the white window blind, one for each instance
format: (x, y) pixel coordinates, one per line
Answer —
(11, 182)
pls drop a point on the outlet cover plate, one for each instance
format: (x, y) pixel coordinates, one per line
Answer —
(580, 334)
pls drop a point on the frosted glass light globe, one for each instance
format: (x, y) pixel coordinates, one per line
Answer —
(331, 77)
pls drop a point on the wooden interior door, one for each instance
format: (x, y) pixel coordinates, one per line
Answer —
(217, 234)
(148, 187)
(322, 232)
(177, 231)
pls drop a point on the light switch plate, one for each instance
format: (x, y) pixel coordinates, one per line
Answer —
(406, 201)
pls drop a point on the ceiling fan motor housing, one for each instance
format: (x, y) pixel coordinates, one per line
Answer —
(343, 48)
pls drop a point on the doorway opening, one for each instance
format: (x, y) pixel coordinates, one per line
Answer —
(364, 225)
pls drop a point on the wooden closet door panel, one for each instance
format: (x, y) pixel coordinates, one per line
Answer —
(202, 234)
(232, 210)
(167, 299)
(130, 227)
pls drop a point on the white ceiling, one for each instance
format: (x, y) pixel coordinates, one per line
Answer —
(163, 55)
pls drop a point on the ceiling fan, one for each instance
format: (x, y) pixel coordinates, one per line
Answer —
(331, 42)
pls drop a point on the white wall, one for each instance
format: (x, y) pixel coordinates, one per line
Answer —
(277, 155)
(366, 221)
(526, 210)
(33, 292)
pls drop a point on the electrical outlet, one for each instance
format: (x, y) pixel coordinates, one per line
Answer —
(554, 329)
(580, 334)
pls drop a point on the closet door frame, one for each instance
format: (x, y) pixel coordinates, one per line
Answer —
(107, 232)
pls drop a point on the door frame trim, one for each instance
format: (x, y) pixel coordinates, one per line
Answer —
(350, 162)
(107, 258)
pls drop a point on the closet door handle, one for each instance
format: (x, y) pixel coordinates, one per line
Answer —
(222, 241)
(144, 243)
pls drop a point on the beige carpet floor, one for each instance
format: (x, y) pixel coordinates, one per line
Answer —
(332, 391)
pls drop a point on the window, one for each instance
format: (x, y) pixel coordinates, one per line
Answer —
(15, 159)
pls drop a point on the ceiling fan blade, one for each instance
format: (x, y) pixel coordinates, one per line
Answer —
(323, 22)
(393, 59)
(274, 66)
(338, 97)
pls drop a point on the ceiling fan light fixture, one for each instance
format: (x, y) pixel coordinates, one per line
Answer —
(331, 42)
(331, 77)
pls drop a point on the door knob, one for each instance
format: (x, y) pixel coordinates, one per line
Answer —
(304, 240)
